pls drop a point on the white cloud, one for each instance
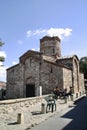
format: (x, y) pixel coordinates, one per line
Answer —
(1, 63)
(2, 73)
(33, 49)
(38, 49)
(2, 68)
(60, 32)
(14, 63)
(29, 33)
(3, 54)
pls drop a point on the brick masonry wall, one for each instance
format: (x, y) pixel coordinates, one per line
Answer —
(18, 75)
(50, 46)
(51, 77)
(33, 69)
(13, 79)
(67, 78)
(81, 83)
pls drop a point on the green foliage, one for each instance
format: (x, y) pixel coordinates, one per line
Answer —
(83, 66)
(2, 59)
(1, 43)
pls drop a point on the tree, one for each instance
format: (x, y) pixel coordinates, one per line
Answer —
(83, 66)
(2, 58)
(1, 43)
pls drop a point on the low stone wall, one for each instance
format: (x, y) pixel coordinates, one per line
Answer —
(7, 106)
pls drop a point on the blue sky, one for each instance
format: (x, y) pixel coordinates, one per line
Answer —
(24, 22)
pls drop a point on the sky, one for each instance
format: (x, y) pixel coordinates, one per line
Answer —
(24, 22)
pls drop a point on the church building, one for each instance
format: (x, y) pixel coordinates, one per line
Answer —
(41, 72)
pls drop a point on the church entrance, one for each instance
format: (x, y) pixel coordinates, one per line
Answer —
(30, 90)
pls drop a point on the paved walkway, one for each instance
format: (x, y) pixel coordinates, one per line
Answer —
(32, 116)
(72, 118)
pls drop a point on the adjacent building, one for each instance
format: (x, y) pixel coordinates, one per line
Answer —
(2, 89)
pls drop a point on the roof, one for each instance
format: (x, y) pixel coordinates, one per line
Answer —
(67, 57)
(29, 54)
(46, 58)
(12, 67)
(49, 58)
(53, 61)
(48, 38)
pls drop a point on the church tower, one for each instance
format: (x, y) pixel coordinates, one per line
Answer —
(50, 46)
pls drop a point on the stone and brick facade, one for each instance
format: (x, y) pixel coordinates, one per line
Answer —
(46, 69)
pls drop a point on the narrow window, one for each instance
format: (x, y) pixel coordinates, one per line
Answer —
(53, 50)
(51, 71)
(30, 62)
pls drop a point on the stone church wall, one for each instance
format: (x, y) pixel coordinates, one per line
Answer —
(48, 72)
(67, 78)
(18, 75)
(13, 81)
(81, 83)
(31, 72)
(51, 77)
(50, 46)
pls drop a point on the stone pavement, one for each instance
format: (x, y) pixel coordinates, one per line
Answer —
(32, 116)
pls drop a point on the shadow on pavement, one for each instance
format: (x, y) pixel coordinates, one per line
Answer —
(14, 123)
(78, 115)
(36, 112)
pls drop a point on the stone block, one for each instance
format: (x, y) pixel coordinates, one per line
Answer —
(20, 118)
